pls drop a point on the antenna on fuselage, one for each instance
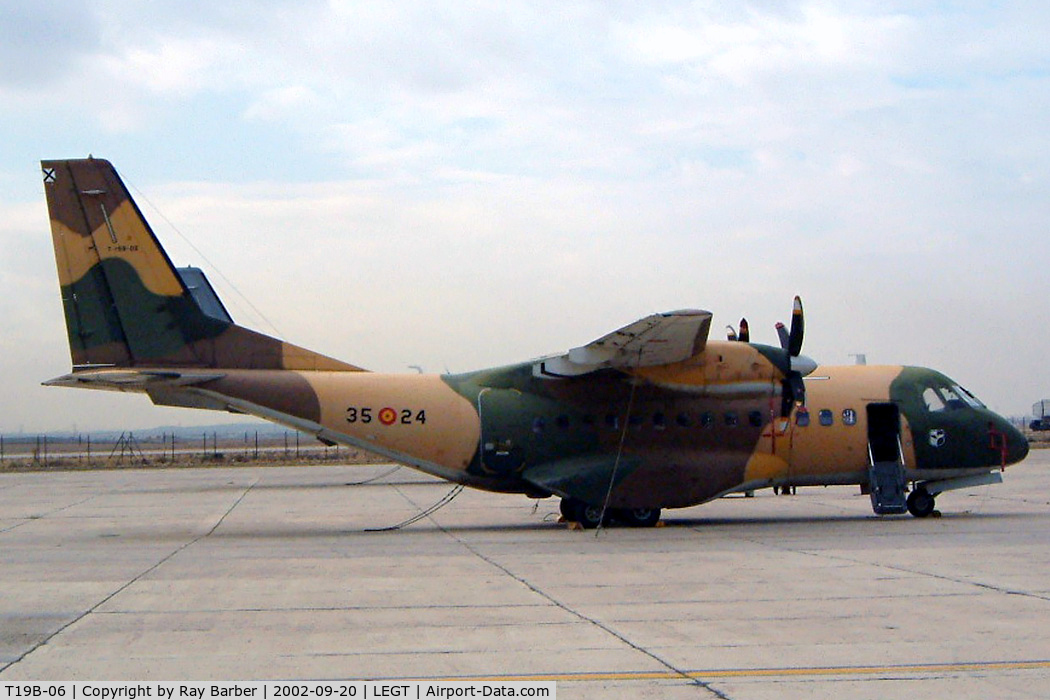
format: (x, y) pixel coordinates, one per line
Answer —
(619, 449)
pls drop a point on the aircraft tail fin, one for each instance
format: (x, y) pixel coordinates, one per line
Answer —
(125, 303)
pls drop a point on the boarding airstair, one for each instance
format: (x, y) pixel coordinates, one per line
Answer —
(886, 478)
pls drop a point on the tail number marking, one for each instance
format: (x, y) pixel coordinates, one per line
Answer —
(386, 415)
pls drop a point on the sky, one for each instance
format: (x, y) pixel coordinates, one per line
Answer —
(458, 185)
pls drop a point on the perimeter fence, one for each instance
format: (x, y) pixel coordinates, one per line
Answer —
(168, 449)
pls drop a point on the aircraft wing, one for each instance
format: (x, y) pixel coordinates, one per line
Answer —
(659, 339)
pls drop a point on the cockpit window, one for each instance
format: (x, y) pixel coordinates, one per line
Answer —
(952, 398)
(949, 398)
(932, 399)
(968, 397)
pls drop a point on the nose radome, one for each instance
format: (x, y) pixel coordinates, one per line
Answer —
(1016, 445)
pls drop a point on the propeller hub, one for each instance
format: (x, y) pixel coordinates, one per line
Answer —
(803, 365)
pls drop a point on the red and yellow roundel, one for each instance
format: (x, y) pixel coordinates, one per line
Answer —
(387, 416)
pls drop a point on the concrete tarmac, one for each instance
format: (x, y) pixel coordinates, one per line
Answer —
(270, 573)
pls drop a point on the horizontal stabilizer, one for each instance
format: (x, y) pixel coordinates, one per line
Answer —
(131, 379)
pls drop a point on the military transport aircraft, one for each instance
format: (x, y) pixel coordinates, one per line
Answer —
(651, 416)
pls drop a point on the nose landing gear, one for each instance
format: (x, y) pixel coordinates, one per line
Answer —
(920, 502)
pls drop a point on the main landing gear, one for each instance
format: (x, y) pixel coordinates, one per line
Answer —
(590, 517)
(920, 503)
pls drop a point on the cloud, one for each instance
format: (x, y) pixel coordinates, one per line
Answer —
(173, 67)
(40, 42)
(283, 104)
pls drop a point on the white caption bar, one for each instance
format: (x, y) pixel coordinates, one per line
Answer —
(268, 690)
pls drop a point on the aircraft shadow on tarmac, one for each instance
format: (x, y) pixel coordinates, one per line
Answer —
(241, 485)
(817, 525)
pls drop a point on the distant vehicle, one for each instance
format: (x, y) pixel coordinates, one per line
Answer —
(1041, 415)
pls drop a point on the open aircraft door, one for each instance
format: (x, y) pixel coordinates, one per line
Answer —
(886, 459)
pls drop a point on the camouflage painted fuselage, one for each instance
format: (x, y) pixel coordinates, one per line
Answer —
(667, 435)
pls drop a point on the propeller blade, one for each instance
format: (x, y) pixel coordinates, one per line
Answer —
(798, 387)
(745, 335)
(794, 388)
(782, 333)
(794, 391)
(798, 327)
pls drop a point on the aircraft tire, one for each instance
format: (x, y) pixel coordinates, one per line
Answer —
(920, 503)
(639, 517)
(566, 508)
(588, 516)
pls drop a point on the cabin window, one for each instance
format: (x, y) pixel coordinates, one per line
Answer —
(659, 421)
(588, 419)
(684, 420)
(612, 421)
(636, 419)
(731, 419)
(707, 419)
(755, 419)
(802, 417)
(849, 417)
(562, 421)
(538, 425)
(826, 417)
